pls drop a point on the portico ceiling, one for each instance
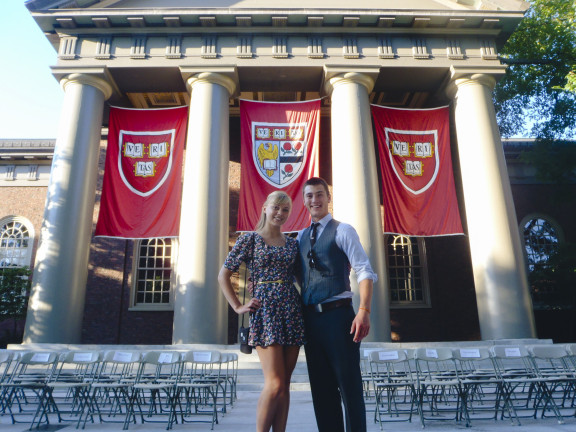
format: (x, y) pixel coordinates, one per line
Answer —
(161, 87)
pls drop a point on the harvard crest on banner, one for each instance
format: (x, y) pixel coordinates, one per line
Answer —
(145, 161)
(417, 180)
(142, 186)
(279, 151)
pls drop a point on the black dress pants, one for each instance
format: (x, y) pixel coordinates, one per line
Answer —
(333, 361)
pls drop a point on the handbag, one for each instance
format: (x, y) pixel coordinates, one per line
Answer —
(244, 332)
(243, 337)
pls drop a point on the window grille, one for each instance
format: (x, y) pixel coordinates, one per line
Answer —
(407, 271)
(154, 273)
(540, 241)
(15, 243)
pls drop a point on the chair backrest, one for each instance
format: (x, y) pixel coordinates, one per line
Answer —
(230, 361)
(571, 350)
(35, 366)
(119, 365)
(549, 351)
(513, 360)
(388, 356)
(75, 366)
(391, 365)
(159, 365)
(365, 359)
(432, 362)
(471, 354)
(551, 359)
(6, 361)
(433, 354)
(201, 363)
(474, 363)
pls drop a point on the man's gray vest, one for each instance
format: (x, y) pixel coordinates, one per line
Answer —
(332, 273)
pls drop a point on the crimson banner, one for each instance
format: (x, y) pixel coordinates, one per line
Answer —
(279, 151)
(143, 173)
(417, 178)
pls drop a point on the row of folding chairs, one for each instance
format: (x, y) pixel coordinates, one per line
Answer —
(466, 384)
(122, 386)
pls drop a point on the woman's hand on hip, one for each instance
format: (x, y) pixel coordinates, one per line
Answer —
(252, 306)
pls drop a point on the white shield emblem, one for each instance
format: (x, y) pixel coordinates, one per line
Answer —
(279, 151)
(414, 157)
(145, 159)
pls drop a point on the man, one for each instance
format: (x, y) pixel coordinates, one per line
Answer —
(333, 330)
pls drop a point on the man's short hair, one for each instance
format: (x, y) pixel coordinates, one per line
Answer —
(314, 181)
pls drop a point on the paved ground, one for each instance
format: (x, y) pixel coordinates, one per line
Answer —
(301, 419)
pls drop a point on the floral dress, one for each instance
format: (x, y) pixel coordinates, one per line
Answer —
(279, 319)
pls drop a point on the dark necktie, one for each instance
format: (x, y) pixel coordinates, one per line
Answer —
(314, 233)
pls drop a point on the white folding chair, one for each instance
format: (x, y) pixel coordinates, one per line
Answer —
(7, 362)
(68, 389)
(367, 378)
(440, 392)
(110, 390)
(25, 393)
(553, 364)
(482, 388)
(153, 393)
(230, 361)
(394, 386)
(524, 389)
(198, 389)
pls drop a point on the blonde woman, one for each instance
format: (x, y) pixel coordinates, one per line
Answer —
(276, 323)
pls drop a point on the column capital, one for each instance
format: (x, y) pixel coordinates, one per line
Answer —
(337, 75)
(98, 77)
(460, 77)
(225, 76)
(85, 79)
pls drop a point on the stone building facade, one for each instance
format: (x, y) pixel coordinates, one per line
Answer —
(146, 54)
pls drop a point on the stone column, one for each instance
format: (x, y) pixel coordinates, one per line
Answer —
(500, 276)
(356, 197)
(56, 305)
(200, 311)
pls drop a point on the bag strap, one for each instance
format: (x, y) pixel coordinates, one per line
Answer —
(246, 276)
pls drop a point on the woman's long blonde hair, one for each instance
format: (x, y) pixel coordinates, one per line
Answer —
(276, 198)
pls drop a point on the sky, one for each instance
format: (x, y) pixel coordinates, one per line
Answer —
(31, 96)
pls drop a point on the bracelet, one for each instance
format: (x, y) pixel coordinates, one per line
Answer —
(367, 310)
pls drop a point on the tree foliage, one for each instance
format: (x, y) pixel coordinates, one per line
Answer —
(537, 96)
(14, 291)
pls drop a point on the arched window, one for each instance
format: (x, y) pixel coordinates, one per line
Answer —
(154, 274)
(16, 241)
(407, 271)
(541, 243)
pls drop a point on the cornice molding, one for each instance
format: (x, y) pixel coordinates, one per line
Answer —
(266, 19)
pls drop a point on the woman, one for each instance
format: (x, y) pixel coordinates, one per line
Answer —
(276, 324)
